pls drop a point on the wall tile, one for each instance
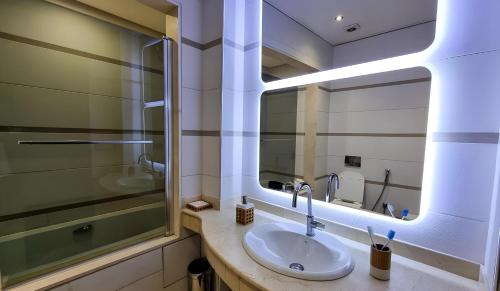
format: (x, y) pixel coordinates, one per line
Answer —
(191, 67)
(211, 156)
(233, 62)
(191, 20)
(192, 109)
(459, 36)
(191, 186)
(232, 157)
(211, 119)
(181, 285)
(392, 148)
(414, 95)
(211, 186)
(177, 257)
(85, 184)
(399, 198)
(402, 172)
(74, 73)
(212, 68)
(192, 149)
(64, 287)
(384, 121)
(120, 275)
(463, 178)
(22, 159)
(150, 283)
(467, 101)
(212, 19)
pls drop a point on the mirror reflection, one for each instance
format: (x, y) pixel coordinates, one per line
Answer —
(359, 142)
(319, 35)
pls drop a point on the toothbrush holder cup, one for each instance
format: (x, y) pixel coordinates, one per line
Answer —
(380, 262)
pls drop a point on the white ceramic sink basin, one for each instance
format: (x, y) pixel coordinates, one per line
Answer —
(284, 248)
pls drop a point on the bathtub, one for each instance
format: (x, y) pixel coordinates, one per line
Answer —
(31, 253)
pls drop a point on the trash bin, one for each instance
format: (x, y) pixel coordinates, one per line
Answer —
(200, 275)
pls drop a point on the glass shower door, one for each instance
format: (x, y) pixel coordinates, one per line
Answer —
(84, 138)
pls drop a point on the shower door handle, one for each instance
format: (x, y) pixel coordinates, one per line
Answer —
(75, 141)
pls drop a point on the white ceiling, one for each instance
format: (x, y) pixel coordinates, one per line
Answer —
(374, 16)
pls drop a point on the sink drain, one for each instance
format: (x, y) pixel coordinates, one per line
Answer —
(296, 266)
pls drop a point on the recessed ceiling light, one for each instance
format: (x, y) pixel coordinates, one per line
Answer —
(339, 18)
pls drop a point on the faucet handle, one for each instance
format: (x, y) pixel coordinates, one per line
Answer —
(317, 224)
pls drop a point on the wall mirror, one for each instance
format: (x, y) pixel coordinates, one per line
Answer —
(359, 142)
(301, 37)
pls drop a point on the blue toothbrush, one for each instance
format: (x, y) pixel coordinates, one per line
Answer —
(370, 232)
(404, 213)
(390, 236)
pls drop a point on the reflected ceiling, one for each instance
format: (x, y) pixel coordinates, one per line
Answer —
(377, 16)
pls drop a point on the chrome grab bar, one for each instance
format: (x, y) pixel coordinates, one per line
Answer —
(76, 141)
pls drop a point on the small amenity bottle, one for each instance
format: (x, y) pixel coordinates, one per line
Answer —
(244, 211)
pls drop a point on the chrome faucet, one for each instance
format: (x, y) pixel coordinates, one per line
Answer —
(311, 223)
(146, 155)
(332, 179)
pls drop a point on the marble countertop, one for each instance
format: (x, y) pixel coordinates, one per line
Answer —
(224, 237)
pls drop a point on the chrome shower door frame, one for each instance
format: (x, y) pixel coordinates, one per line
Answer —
(167, 75)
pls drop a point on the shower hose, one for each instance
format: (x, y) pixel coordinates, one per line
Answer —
(386, 181)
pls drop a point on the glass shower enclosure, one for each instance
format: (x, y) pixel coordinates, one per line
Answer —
(85, 138)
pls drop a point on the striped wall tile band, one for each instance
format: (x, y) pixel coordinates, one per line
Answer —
(466, 137)
(241, 47)
(46, 45)
(369, 134)
(13, 129)
(66, 91)
(189, 132)
(451, 137)
(368, 86)
(282, 91)
(416, 188)
(201, 46)
(281, 174)
(282, 133)
(200, 132)
(240, 133)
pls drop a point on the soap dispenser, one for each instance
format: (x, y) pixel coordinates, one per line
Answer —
(244, 211)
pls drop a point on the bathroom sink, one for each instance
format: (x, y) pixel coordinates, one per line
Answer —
(284, 248)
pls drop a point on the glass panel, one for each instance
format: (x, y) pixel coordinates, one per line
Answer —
(71, 79)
